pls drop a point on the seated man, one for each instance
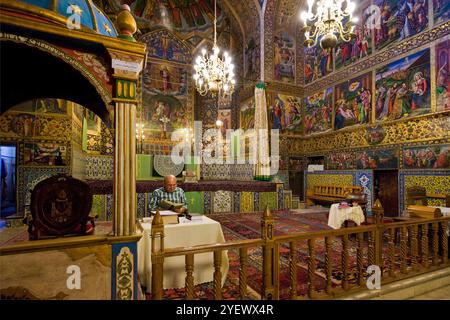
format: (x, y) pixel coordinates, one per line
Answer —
(170, 192)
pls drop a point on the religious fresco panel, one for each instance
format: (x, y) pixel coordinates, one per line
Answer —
(183, 16)
(318, 112)
(252, 60)
(340, 161)
(443, 75)
(403, 87)
(284, 57)
(441, 10)
(399, 20)
(285, 114)
(360, 46)
(44, 154)
(427, 157)
(225, 117)
(318, 63)
(247, 114)
(353, 100)
(377, 159)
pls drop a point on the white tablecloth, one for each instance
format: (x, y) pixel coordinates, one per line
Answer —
(338, 216)
(186, 233)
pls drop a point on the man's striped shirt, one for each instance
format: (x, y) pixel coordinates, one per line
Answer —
(160, 194)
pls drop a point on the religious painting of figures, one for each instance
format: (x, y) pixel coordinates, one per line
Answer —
(247, 114)
(353, 101)
(318, 63)
(43, 153)
(377, 159)
(403, 87)
(165, 79)
(51, 106)
(441, 11)
(284, 57)
(318, 112)
(431, 157)
(340, 161)
(225, 117)
(252, 61)
(183, 16)
(443, 76)
(162, 115)
(399, 19)
(285, 114)
(360, 46)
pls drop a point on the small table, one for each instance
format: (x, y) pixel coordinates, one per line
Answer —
(184, 234)
(337, 216)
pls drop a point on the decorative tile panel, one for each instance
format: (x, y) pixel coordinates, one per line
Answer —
(222, 201)
(99, 167)
(247, 204)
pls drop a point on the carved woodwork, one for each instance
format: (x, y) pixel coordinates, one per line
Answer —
(60, 206)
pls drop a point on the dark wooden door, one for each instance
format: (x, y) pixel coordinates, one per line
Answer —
(386, 189)
(296, 183)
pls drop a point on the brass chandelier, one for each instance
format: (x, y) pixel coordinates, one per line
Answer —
(214, 74)
(327, 22)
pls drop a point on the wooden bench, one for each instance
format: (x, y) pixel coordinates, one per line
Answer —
(330, 194)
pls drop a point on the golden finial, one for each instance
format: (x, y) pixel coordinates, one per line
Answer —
(126, 24)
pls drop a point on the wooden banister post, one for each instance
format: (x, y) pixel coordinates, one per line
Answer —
(269, 276)
(378, 215)
(157, 256)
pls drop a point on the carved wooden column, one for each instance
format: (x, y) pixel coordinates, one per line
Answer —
(158, 256)
(378, 214)
(126, 72)
(269, 263)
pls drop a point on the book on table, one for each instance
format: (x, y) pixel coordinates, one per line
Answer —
(168, 217)
(169, 205)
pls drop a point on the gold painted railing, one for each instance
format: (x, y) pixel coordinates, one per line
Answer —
(388, 245)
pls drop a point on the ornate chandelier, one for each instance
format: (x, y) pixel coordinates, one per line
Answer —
(212, 73)
(327, 22)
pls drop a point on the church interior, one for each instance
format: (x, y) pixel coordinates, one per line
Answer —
(311, 139)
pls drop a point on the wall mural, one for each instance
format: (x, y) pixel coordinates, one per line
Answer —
(163, 45)
(225, 117)
(284, 57)
(340, 160)
(403, 87)
(44, 153)
(377, 159)
(318, 112)
(247, 114)
(359, 47)
(400, 19)
(165, 95)
(441, 11)
(443, 75)
(429, 157)
(184, 16)
(285, 114)
(252, 60)
(318, 63)
(166, 79)
(353, 101)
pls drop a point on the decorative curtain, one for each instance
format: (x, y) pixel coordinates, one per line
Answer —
(262, 166)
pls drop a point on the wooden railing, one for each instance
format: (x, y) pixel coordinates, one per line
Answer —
(387, 245)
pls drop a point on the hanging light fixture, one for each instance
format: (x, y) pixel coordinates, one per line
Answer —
(327, 22)
(214, 74)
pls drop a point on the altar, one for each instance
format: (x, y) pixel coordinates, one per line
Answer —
(184, 234)
(337, 215)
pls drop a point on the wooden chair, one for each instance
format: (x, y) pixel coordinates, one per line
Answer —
(416, 196)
